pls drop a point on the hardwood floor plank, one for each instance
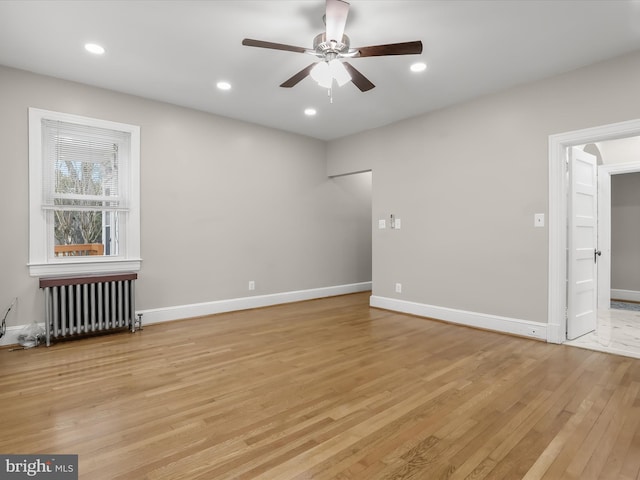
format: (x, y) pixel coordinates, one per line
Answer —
(327, 389)
(619, 444)
(554, 448)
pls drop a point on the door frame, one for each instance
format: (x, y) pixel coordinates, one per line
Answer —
(558, 190)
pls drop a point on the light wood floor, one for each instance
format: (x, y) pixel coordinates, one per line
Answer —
(325, 389)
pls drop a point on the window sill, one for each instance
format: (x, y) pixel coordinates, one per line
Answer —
(84, 266)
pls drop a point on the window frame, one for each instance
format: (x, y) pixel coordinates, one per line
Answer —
(41, 263)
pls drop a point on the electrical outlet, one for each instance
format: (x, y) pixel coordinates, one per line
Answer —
(398, 288)
(252, 285)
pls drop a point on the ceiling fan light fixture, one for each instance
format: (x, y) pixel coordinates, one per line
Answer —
(321, 73)
(339, 72)
(325, 72)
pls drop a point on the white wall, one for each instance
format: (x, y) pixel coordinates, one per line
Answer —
(621, 150)
(467, 181)
(222, 202)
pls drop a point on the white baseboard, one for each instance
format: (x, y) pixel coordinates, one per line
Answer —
(629, 295)
(159, 315)
(513, 326)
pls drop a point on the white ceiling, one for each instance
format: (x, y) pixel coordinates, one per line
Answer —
(176, 51)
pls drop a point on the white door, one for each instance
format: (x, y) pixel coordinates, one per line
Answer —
(583, 252)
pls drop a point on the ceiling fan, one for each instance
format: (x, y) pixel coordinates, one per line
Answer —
(331, 47)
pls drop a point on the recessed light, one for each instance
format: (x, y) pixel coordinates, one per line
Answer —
(310, 112)
(94, 48)
(223, 85)
(418, 67)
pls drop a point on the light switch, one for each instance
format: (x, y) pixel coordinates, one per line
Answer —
(538, 220)
(382, 223)
(398, 224)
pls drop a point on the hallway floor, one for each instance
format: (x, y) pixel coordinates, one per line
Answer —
(617, 331)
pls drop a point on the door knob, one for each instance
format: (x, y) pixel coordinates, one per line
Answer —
(596, 254)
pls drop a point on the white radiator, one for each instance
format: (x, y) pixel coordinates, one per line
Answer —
(84, 305)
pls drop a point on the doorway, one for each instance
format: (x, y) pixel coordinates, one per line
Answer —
(559, 145)
(614, 204)
(356, 190)
(617, 323)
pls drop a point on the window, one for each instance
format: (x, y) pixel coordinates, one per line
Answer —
(84, 195)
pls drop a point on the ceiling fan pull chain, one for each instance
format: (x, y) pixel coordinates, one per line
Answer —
(330, 94)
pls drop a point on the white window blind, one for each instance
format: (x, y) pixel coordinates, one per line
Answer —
(82, 166)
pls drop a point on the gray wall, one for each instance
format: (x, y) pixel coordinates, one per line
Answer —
(466, 182)
(222, 202)
(625, 232)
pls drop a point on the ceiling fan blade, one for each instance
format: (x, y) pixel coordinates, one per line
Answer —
(358, 79)
(249, 42)
(336, 19)
(405, 48)
(293, 81)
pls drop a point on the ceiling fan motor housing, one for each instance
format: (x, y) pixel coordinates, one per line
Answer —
(330, 49)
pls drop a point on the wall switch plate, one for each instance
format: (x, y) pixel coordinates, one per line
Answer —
(398, 288)
(382, 223)
(398, 224)
(252, 285)
(538, 220)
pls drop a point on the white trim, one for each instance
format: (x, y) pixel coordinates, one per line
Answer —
(557, 320)
(485, 321)
(167, 314)
(39, 238)
(88, 267)
(629, 295)
(604, 238)
(620, 168)
(556, 316)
